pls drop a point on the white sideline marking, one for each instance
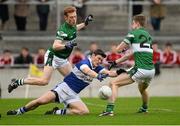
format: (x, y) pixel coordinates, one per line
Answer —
(92, 104)
(162, 109)
(154, 109)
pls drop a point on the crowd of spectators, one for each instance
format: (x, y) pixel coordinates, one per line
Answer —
(24, 58)
(166, 57)
(21, 12)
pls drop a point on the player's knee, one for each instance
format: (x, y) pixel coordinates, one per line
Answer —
(142, 91)
(112, 83)
(83, 112)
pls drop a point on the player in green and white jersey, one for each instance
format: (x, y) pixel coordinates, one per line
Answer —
(142, 72)
(56, 56)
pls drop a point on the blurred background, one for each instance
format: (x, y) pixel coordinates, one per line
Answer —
(28, 28)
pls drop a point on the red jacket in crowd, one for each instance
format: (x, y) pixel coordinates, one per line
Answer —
(178, 59)
(112, 57)
(169, 57)
(157, 56)
(5, 62)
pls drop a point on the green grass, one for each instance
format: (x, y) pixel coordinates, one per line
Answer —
(162, 110)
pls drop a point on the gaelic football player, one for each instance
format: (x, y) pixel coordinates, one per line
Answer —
(56, 56)
(143, 70)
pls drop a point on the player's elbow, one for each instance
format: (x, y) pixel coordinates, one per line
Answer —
(57, 45)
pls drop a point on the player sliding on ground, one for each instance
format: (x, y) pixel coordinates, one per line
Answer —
(67, 91)
(56, 56)
(143, 70)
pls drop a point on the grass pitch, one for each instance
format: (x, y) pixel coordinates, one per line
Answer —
(162, 111)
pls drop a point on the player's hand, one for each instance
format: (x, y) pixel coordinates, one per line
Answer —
(120, 71)
(101, 76)
(70, 44)
(88, 19)
(112, 64)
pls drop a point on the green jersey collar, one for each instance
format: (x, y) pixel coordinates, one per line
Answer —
(141, 28)
(68, 25)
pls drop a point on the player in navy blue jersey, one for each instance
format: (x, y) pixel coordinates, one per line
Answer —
(67, 91)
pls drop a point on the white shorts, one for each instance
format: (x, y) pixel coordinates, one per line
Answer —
(64, 94)
(54, 61)
(141, 75)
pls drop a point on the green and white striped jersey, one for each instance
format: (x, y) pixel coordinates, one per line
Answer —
(141, 43)
(65, 33)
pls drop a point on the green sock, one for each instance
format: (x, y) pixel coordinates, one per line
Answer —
(145, 106)
(110, 107)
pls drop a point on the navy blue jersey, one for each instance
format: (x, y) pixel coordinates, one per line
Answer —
(77, 80)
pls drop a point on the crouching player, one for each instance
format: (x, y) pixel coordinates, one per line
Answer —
(67, 91)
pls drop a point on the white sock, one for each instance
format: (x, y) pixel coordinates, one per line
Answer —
(61, 112)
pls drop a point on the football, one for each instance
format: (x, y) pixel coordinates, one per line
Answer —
(105, 92)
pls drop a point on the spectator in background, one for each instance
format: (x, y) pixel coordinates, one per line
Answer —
(20, 14)
(137, 8)
(178, 58)
(81, 9)
(43, 12)
(76, 56)
(24, 57)
(157, 58)
(4, 14)
(157, 13)
(92, 47)
(6, 58)
(39, 58)
(169, 56)
(112, 55)
(0, 95)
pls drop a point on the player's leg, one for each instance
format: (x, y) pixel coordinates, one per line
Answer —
(144, 95)
(73, 104)
(121, 80)
(44, 99)
(143, 78)
(65, 69)
(40, 81)
(77, 107)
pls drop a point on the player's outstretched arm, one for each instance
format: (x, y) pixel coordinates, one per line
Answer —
(110, 73)
(59, 45)
(80, 26)
(124, 58)
(86, 70)
(122, 46)
(88, 19)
